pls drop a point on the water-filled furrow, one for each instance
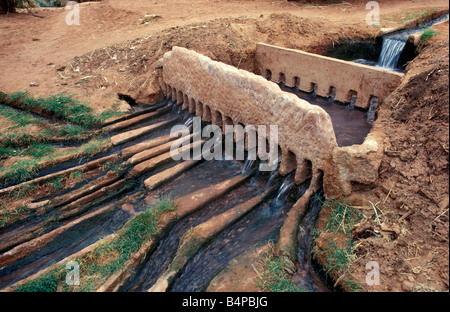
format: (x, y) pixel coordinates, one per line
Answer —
(66, 244)
(306, 277)
(259, 226)
(154, 134)
(202, 176)
(183, 185)
(262, 223)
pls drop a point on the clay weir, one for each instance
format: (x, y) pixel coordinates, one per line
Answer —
(225, 95)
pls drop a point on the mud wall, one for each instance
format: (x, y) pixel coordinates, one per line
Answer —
(225, 95)
(302, 70)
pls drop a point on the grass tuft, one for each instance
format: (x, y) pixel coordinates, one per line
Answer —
(274, 277)
(337, 255)
(427, 34)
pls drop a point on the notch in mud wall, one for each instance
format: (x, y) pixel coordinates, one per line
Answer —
(174, 95)
(296, 82)
(351, 99)
(180, 98)
(331, 94)
(268, 74)
(313, 89)
(288, 162)
(206, 114)
(227, 121)
(282, 78)
(217, 118)
(191, 106)
(303, 172)
(185, 102)
(199, 109)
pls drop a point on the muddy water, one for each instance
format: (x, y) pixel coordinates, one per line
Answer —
(70, 242)
(306, 276)
(201, 176)
(259, 226)
(350, 126)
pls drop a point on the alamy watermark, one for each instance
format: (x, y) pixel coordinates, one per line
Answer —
(373, 17)
(73, 276)
(73, 17)
(261, 142)
(373, 277)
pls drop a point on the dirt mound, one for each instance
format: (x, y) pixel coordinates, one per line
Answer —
(127, 68)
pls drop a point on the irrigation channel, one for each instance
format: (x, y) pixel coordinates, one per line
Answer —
(395, 42)
(73, 219)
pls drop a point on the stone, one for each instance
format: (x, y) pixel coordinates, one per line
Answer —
(407, 286)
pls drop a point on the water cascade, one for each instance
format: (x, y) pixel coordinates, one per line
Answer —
(351, 105)
(391, 50)
(393, 44)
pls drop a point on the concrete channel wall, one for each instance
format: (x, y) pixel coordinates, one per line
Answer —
(225, 95)
(302, 70)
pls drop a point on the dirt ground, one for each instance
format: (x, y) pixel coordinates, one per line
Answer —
(111, 52)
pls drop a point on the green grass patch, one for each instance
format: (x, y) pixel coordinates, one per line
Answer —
(7, 215)
(107, 258)
(427, 34)
(76, 175)
(93, 147)
(23, 128)
(39, 150)
(60, 106)
(275, 277)
(338, 254)
(56, 183)
(27, 167)
(19, 171)
(343, 218)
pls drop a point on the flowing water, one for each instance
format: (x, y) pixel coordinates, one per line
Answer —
(261, 225)
(394, 43)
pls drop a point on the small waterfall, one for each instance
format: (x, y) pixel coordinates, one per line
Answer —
(391, 50)
(283, 191)
(248, 164)
(372, 109)
(393, 44)
(189, 122)
(272, 178)
(332, 96)
(305, 276)
(173, 106)
(179, 110)
(313, 94)
(351, 105)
